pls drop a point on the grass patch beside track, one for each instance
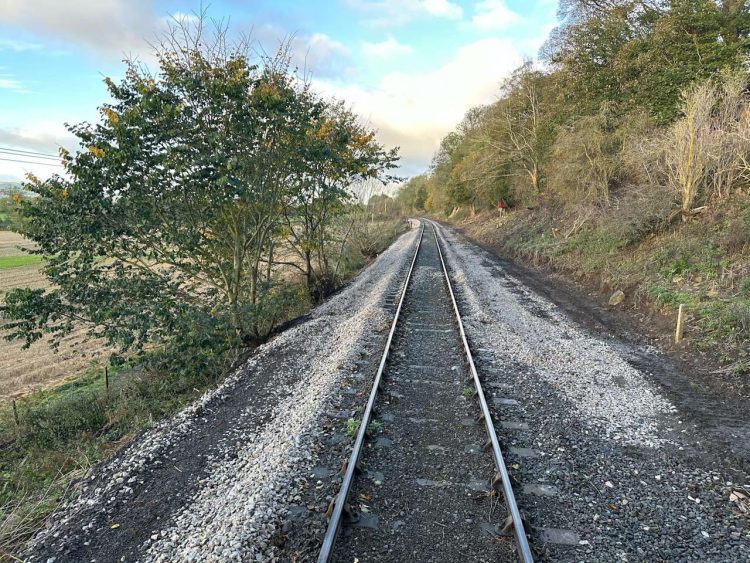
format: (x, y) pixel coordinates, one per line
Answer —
(56, 435)
(18, 261)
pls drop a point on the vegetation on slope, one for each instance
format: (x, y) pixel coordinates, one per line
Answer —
(624, 158)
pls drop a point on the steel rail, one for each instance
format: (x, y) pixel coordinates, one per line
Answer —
(334, 523)
(524, 551)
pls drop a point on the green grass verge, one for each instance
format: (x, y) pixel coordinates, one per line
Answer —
(63, 431)
(18, 261)
(703, 263)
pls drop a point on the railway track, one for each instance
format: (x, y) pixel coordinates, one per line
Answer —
(430, 483)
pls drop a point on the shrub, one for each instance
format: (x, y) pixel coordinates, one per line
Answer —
(587, 158)
(52, 424)
(738, 235)
(370, 238)
(706, 149)
(639, 212)
(745, 287)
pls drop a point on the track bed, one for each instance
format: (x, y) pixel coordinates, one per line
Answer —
(426, 491)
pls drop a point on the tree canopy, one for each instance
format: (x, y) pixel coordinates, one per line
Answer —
(164, 225)
(611, 108)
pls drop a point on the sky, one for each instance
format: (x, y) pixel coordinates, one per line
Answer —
(409, 68)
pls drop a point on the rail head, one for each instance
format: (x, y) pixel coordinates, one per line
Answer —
(329, 540)
(524, 550)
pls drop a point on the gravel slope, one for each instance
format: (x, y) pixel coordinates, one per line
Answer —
(625, 478)
(215, 482)
(607, 469)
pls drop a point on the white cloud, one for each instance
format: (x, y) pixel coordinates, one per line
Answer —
(388, 48)
(442, 8)
(44, 137)
(107, 27)
(117, 28)
(415, 110)
(317, 53)
(8, 83)
(18, 46)
(322, 53)
(388, 13)
(494, 15)
(182, 18)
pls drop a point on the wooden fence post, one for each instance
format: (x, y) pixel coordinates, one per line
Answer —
(680, 323)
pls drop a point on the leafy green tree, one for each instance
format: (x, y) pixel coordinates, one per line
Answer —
(412, 195)
(162, 230)
(337, 151)
(10, 205)
(693, 40)
(642, 55)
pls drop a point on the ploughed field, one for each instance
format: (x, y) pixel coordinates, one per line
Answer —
(38, 367)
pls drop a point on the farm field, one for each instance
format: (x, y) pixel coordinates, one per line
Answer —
(38, 367)
(11, 244)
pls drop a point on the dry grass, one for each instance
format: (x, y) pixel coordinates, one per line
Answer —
(22, 516)
(10, 243)
(38, 367)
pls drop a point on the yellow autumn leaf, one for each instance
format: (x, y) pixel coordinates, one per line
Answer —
(96, 151)
(111, 116)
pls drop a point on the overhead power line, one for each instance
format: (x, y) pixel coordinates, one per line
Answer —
(34, 154)
(31, 162)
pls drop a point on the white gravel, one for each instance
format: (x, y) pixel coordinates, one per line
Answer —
(610, 395)
(240, 504)
(238, 507)
(632, 481)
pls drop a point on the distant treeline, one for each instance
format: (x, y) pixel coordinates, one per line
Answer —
(639, 105)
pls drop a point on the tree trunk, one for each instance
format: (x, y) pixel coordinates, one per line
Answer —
(309, 273)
